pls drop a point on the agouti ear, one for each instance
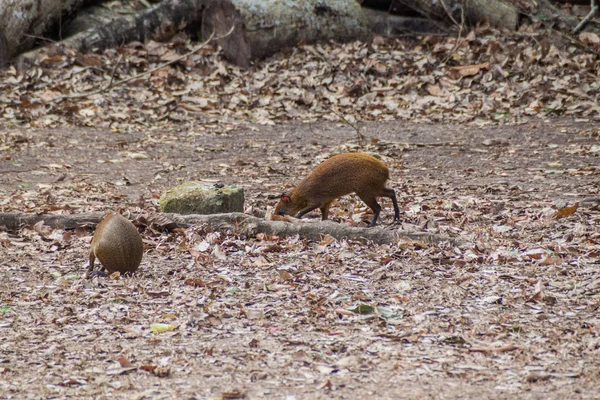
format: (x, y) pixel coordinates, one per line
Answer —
(285, 198)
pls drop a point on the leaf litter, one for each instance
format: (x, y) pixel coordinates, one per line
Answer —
(477, 152)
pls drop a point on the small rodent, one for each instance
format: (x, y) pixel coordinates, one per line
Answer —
(117, 244)
(339, 175)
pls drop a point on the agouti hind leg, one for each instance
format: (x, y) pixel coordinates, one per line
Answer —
(392, 195)
(371, 201)
(91, 273)
(92, 259)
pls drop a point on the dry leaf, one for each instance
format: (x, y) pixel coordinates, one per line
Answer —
(566, 211)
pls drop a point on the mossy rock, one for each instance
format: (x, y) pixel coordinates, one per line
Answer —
(199, 198)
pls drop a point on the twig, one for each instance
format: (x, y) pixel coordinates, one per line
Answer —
(41, 38)
(359, 136)
(200, 46)
(502, 349)
(112, 74)
(594, 8)
(459, 39)
(449, 13)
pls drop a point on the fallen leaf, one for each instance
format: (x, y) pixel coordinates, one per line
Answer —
(159, 328)
(566, 211)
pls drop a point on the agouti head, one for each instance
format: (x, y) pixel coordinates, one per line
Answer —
(117, 244)
(337, 176)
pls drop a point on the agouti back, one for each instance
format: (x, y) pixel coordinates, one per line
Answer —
(117, 244)
(335, 177)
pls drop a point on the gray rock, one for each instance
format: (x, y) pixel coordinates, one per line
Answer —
(199, 198)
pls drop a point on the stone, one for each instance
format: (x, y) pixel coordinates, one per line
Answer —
(200, 198)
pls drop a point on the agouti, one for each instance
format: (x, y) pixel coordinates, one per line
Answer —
(117, 244)
(337, 176)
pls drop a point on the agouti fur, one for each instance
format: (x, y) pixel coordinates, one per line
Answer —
(335, 177)
(117, 244)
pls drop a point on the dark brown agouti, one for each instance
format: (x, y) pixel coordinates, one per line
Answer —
(117, 244)
(337, 176)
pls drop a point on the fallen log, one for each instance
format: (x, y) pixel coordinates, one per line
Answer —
(23, 22)
(232, 223)
(261, 28)
(100, 31)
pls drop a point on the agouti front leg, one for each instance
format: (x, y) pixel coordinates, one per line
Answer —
(324, 211)
(392, 195)
(306, 210)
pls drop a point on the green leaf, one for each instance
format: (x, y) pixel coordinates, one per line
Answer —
(362, 309)
(5, 309)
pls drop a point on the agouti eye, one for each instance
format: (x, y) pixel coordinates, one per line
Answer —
(281, 212)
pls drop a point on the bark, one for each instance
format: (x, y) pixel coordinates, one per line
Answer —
(383, 23)
(272, 25)
(22, 22)
(236, 223)
(498, 13)
(219, 17)
(553, 13)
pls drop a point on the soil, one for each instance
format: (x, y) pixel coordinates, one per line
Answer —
(511, 312)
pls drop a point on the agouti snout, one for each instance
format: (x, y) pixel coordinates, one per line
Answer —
(335, 177)
(117, 244)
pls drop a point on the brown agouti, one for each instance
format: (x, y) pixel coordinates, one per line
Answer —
(117, 244)
(339, 175)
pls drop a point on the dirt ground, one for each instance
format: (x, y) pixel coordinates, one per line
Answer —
(510, 310)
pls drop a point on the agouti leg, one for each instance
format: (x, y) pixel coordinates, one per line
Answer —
(306, 210)
(324, 211)
(392, 195)
(371, 201)
(92, 259)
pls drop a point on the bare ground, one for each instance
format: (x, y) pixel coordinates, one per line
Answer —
(513, 312)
